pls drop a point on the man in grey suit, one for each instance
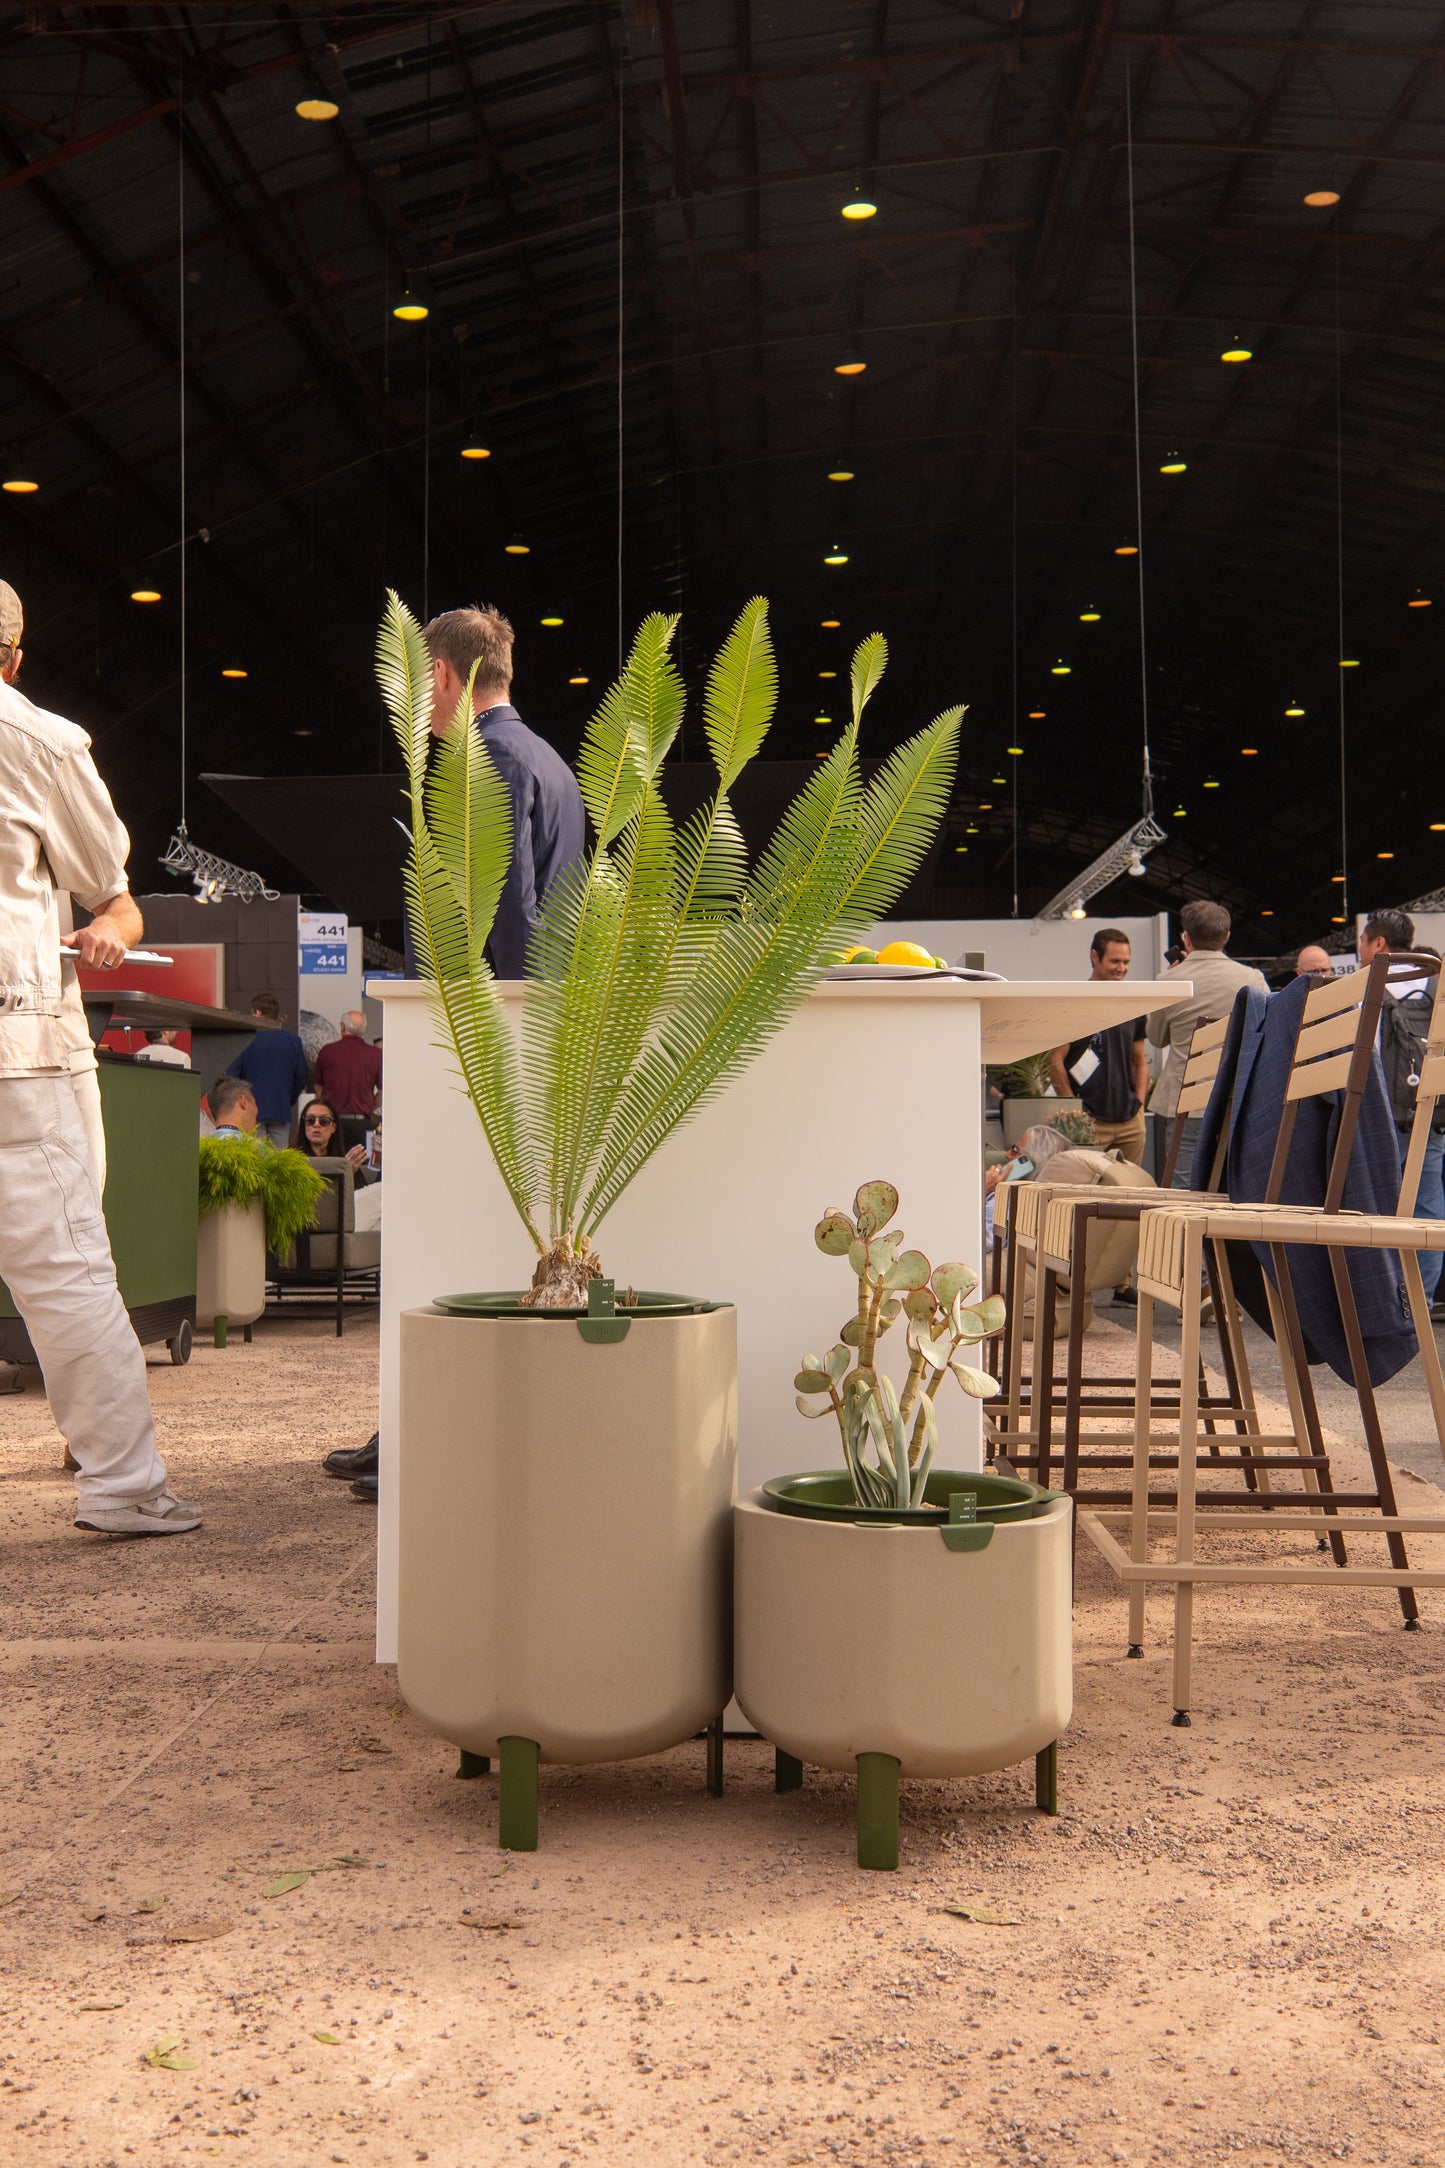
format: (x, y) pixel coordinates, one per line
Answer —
(1216, 978)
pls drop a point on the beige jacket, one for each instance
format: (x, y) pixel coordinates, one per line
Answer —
(1216, 979)
(59, 836)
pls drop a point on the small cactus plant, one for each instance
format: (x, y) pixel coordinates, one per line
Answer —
(889, 1437)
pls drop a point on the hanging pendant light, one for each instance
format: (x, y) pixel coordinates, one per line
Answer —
(145, 594)
(1418, 601)
(852, 364)
(835, 556)
(517, 547)
(1237, 352)
(1060, 668)
(551, 621)
(233, 670)
(16, 487)
(1320, 199)
(1127, 549)
(1090, 616)
(317, 109)
(475, 451)
(1294, 710)
(1174, 465)
(410, 310)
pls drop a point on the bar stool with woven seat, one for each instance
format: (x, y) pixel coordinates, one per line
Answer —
(1334, 1051)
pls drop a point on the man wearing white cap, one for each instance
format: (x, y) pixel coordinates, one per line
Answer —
(60, 837)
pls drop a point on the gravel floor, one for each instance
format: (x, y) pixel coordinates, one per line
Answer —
(1227, 1947)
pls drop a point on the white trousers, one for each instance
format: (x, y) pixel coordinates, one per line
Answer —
(55, 1259)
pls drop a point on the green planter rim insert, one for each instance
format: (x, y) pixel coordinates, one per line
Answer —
(506, 1304)
(826, 1494)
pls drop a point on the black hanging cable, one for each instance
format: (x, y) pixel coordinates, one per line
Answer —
(621, 237)
(1014, 576)
(1340, 599)
(181, 311)
(1148, 780)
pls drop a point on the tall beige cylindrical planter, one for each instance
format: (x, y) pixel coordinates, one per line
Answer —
(565, 1569)
(231, 1267)
(904, 1651)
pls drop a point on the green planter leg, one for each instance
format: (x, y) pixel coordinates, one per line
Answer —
(474, 1765)
(715, 1758)
(246, 1335)
(517, 1812)
(1046, 1778)
(787, 1772)
(220, 1332)
(878, 1810)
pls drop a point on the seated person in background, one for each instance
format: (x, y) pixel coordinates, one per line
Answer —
(233, 1107)
(321, 1138)
(1026, 1159)
(274, 1065)
(161, 1047)
(348, 1074)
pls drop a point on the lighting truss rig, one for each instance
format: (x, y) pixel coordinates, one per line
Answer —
(1125, 856)
(215, 878)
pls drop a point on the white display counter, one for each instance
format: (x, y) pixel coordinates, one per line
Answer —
(873, 1078)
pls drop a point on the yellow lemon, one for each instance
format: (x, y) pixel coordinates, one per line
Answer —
(906, 952)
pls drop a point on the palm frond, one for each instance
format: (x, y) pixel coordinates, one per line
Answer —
(741, 695)
(453, 876)
(870, 659)
(901, 809)
(626, 738)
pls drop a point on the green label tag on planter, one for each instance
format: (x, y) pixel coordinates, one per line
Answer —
(602, 1327)
(963, 1505)
(964, 1531)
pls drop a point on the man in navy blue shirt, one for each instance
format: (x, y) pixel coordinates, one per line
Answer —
(549, 829)
(274, 1065)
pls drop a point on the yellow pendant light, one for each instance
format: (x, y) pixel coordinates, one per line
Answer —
(961, 849)
(517, 547)
(1418, 601)
(317, 109)
(234, 670)
(1349, 662)
(1174, 465)
(1090, 616)
(1237, 353)
(1060, 668)
(1295, 710)
(551, 621)
(841, 474)
(579, 677)
(1036, 715)
(1320, 199)
(1249, 752)
(830, 624)
(410, 310)
(1384, 854)
(145, 594)
(827, 673)
(1437, 828)
(1179, 813)
(985, 805)
(1338, 879)
(1001, 779)
(18, 488)
(1211, 782)
(822, 719)
(476, 451)
(858, 207)
(835, 556)
(1127, 549)
(852, 364)
(1015, 750)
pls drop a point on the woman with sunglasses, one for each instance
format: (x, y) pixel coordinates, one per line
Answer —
(321, 1137)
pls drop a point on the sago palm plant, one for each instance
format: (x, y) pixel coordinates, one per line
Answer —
(660, 966)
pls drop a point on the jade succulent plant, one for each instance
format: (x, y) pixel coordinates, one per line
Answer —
(889, 1437)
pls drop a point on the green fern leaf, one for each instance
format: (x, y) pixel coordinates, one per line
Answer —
(742, 693)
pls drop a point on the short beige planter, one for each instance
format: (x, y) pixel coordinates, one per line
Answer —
(565, 1509)
(231, 1267)
(904, 1651)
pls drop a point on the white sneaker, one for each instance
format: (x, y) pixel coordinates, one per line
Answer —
(162, 1515)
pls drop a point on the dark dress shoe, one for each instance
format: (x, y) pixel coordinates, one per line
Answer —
(367, 1488)
(354, 1460)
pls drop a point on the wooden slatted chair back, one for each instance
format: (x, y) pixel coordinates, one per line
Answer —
(1334, 1048)
(1206, 1051)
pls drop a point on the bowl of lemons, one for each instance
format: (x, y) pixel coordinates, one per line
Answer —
(888, 962)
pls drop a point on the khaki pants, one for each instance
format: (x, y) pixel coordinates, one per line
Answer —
(55, 1259)
(1125, 1138)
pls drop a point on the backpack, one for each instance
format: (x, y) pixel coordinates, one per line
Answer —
(1404, 1030)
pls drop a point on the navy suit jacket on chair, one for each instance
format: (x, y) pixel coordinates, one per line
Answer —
(1255, 1068)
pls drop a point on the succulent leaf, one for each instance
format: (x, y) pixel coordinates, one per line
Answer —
(858, 1257)
(848, 1333)
(834, 1234)
(835, 1362)
(935, 1352)
(919, 1303)
(874, 1206)
(976, 1383)
(882, 1249)
(951, 1280)
(811, 1381)
(805, 1407)
(888, 1312)
(986, 1318)
(909, 1271)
